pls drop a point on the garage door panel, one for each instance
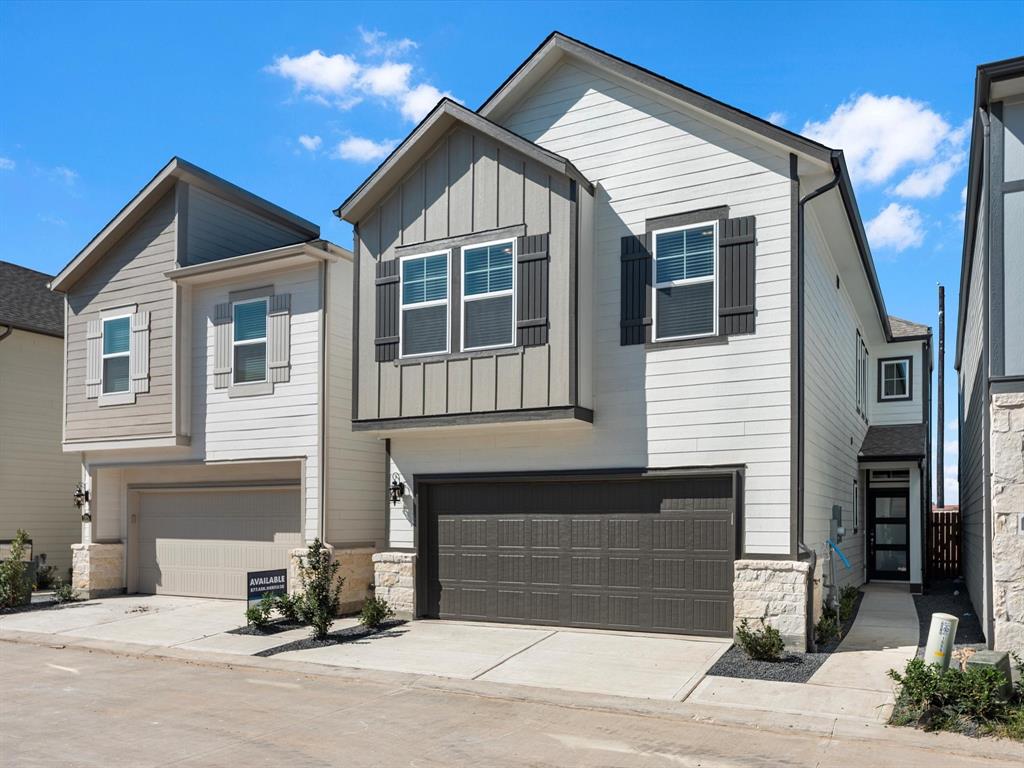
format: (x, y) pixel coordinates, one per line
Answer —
(645, 555)
(202, 543)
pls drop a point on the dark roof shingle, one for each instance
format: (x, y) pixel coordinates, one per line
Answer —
(894, 441)
(902, 329)
(26, 303)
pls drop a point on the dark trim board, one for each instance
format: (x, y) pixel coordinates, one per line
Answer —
(687, 217)
(567, 413)
(796, 244)
(1002, 385)
(614, 473)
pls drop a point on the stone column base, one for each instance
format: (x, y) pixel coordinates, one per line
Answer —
(775, 590)
(394, 579)
(97, 570)
(1007, 464)
(356, 569)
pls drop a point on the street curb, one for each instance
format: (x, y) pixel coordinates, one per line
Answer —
(775, 722)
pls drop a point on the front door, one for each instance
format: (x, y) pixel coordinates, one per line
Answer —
(889, 534)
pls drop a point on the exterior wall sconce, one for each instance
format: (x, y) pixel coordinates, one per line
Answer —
(397, 488)
(81, 498)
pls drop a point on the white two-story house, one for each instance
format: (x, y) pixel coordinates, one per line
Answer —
(207, 392)
(627, 352)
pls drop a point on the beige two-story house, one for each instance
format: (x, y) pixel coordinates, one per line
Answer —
(207, 394)
(629, 357)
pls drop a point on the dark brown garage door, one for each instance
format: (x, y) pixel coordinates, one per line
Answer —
(652, 555)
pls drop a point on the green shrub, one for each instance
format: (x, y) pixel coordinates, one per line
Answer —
(63, 592)
(15, 588)
(827, 629)
(951, 700)
(764, 644)
(286, 605)
(46, 577)
(258, 615)
(375, 612)
(847, 602)
(317, 604)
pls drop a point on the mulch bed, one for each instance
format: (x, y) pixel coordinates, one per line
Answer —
(272, 628)
(948, 597)
(347, 635)
(791, 668)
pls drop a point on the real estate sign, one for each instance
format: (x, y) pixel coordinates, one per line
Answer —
(260, 583)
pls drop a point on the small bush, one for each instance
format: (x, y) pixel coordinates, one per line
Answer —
(63, 592)
(46, 577)
(847, 602)
(375, 612)
(317, 605)
(287, 606)
(258, 615)
(827, 629)
(763, 644)
(15, 588)
(954, 700)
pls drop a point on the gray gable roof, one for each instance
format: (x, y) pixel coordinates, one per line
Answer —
(905, 329)
(894, 441)
(26, 303)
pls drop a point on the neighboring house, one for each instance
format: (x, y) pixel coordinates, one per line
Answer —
(208, 355)
(36, 478)
(628, 350)
(990, 357)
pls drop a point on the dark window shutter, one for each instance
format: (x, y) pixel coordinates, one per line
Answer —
(387, 286)
(532, 261)
(635, 318)
(736, 275)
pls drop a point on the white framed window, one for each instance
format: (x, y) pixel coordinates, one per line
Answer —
(117, 336)
(686, 282)
(249, 341)
(423, 319)
(894, 378)
(862, 377)
(488, 295)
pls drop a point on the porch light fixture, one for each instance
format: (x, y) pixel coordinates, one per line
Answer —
(80, 495)
(397, 488)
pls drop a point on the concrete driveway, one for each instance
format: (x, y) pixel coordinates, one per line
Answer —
(665, 667)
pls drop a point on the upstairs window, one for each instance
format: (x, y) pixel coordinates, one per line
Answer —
(250, 341)
(488, 295)
(685, 300)
(424, 316)
(894, 380)
(862, 377)
(117, 334)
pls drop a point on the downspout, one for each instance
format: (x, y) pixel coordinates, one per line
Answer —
(324, 396)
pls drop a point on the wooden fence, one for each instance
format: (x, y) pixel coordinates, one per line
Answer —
(944, 544)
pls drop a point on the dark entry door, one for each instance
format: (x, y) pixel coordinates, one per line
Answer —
(652, 555)
(889, 533)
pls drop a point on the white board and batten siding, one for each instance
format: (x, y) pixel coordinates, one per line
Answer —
(671, 407)
(284, 424)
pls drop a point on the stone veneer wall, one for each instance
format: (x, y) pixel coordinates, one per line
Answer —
(394, 578)
(356, 569)
(97, 570)
(1007, 465)
(775, 590)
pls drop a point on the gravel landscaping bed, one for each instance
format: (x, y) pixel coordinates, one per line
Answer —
(948, 597)
(347, 635)
(791, 668)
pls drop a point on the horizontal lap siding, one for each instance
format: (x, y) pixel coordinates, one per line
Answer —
(719, 404)
(36, 477)
(467, 183)
(282, 424)
(218, 229)
(131, 272)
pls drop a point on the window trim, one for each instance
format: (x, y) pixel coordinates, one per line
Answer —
(463, 299)
(433, 303)
(265, 341)
(104, 356)
(882, 362)
(656, 284)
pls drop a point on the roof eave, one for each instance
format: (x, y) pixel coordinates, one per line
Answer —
(274, 258)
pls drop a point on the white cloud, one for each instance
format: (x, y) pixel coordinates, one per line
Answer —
(379, 44)
(930, 180)
(6, 164)
(49, 218)
(963, 194)
(389, 79)
(897, 226)
(333, 75)
(415, 104)
(778, 118)
(312, 143)
(64, 174)
(883, 135)
(363, 150)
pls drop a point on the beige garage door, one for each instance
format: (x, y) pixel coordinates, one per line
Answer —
(202, 542)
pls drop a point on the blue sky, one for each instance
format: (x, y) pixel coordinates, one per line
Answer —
(97, 97)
